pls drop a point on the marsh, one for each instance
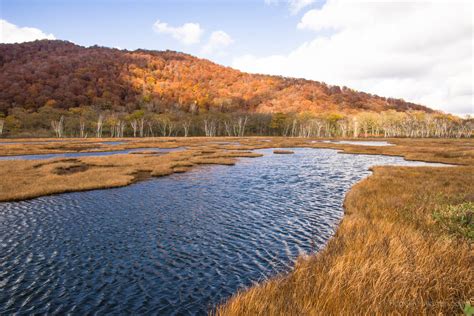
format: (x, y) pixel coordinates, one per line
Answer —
(174, 245)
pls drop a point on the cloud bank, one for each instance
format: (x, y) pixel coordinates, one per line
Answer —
(217, 42)
(192, 33)
(10, 33)
(419, 51)
(188, 33)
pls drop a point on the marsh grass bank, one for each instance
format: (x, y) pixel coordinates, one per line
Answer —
(28, 179)
(283, 152)
(404, 245)
(24, 179)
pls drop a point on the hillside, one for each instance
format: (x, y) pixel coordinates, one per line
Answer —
(65, 75)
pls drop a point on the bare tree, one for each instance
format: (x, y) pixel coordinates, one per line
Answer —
(390, 123)
(365, 127)
(82, 128)
(100, 123)
(171, 128)
(119, 128)
(318, 123)
(58, 127)
(150, 129)
(122, 128)
(355, 127)
(2, 124)
(286, 128)
(228, 128)
(186, 126)
(306, 129)
(141, 124)
(134, 124)
(343, 127)
(241, 122)
(210, 127)
(236, 128)
(163, 124)
(293, 128)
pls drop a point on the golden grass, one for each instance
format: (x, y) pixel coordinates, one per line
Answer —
(283, 152)
(398, 250)
(28, 179)
(389, 256)
(23, 179)
(457, 151)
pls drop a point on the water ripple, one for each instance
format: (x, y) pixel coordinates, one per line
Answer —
(174, 245)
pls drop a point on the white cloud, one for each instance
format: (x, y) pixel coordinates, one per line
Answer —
(188, 33)
(420, 51)
(295, 6)
(10, 33)
(217, 41)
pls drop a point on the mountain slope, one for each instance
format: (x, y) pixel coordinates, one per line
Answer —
(66, 75)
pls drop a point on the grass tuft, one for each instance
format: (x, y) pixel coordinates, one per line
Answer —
(283, 152)
(457, 220)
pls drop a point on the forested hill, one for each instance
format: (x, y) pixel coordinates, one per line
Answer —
(65, 75)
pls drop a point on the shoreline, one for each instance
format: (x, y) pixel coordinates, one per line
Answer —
(379, 273)
(74, 174)
(356, 271)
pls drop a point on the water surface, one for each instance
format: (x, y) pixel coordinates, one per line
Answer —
(173, 245)
(89, 154)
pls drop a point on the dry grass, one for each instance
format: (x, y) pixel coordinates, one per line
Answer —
(403, 246)
(391, 253)
(457, 151)
(452, 151)
(28, 179)
(24, 179)
(283, 152)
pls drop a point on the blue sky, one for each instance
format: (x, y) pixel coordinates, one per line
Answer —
(256, 27)
(393, 48)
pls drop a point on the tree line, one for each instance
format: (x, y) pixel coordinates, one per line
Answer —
(86, 122)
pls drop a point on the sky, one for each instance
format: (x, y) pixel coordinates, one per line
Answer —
(419, 50)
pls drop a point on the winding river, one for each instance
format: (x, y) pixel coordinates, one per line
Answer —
(173, 245)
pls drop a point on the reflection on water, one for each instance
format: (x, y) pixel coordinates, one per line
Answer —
(173, 245)
(88, 154)
(113, 143)
(357, 142)
(225, 143)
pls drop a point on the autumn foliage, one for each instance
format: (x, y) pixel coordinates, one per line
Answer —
(64, 75)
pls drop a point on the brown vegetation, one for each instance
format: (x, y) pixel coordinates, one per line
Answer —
(405, 243)
(64, 75)
(283, 152)
(70, 168)
(403, 247)
(55, 88)
(35, 178)
(32, 178)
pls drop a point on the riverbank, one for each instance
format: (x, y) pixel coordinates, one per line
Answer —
(404, 245)
(24, 179)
